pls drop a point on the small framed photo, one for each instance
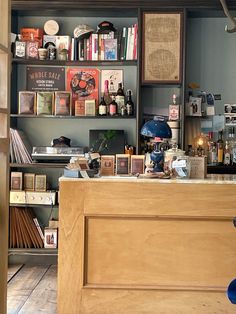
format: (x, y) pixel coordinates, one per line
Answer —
(50, 238)
(107, 165)
(27, 102)
(194, 107)
(45, 101)
(40, 182)
(82, 164)
(29, 181)
(137, 164)
(16, 181)
(122, 164)
(62, 103)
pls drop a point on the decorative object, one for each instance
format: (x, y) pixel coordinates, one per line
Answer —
(159, 130)
(162, 47)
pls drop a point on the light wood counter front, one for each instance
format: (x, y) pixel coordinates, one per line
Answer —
(134, 246)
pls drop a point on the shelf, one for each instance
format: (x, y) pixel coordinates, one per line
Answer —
(38, 165)
(4, 110)
(75, 63)
(33, 205)
(68, 117)
(27, 251)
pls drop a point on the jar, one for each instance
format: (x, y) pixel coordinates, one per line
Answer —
(181, 167)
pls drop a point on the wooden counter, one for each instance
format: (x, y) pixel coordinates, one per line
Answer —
(132, 246)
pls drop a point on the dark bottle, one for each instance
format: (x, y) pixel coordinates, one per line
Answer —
(220, 148)
(120, 98)
(113, 107)
(129, 104)
(102, 108)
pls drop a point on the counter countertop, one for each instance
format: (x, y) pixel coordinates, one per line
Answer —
(211, 179)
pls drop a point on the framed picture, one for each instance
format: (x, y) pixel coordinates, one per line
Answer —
(162, 47)
(107, 165)
(114, 77)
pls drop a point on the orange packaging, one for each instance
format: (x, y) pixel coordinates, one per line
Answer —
(37, 33)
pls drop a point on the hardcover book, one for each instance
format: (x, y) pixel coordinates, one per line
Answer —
(122, 164)
(110, 49)
(62, 103)
(45, 102)
(27, 102)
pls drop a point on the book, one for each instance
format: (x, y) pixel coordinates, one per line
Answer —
(79, 108)
(110, 49)
(123, 44)
(20, 148)
(90, 107)
(45, 102)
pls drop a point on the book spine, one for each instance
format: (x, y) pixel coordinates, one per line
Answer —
(38, 228)
(135, 52)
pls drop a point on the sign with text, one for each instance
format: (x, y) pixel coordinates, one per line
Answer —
(45, 78)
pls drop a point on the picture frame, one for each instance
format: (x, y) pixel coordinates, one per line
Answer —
(162, 47)
(114, 77)
(107, 165)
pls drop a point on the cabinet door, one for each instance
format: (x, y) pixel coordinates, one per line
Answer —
(4, 140)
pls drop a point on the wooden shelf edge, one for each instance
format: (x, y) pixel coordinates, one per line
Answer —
(31, 251)
(69, 117)
(75, 63)
(38, 165)
(33, 205)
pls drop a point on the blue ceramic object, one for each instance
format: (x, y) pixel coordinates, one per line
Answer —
(231, 292)
(157, 127)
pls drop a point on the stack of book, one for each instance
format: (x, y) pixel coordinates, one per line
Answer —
(121, 45)
(25, 231)
(19, 147)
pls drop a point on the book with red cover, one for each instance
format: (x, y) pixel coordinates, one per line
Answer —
(83, 83)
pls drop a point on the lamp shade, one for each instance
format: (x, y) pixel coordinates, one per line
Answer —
(158, 127)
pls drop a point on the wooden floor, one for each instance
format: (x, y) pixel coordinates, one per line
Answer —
(32, 289)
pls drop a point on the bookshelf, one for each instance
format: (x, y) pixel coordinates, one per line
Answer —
(4, 148)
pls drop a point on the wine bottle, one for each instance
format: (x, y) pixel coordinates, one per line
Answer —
(227, 155)
(129, 104)
(113, 107)
(102, 108)
(106, 94)
(20, 47)
(120, 98)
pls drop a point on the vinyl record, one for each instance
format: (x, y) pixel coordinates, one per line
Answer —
(83, 84)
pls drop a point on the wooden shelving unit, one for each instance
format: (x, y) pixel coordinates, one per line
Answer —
(38, 165)
(68, 117)
(4, 146)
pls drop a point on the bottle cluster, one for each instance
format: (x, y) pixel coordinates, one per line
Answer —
(116, 104)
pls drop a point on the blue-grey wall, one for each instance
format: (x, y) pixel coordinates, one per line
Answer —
(211, 58)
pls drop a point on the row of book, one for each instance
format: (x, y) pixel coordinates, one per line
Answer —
(121, 45)
(19, 147)
(25, 231)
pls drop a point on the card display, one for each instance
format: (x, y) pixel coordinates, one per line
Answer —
(137, 164)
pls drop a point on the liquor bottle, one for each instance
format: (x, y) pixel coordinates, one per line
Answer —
(129, 104)
(210, 145)
(227, 159)
(32, 48)
(113, 107)
(220, 148)
(102, 108)
(20, 47)
(106, 94)
(213, 153)
(173, 109)
(120, 98)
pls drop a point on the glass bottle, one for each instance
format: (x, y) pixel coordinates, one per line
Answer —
(129, 104)
(220, 148)
(102, 108)
(106, 94)
(20, 47)
(227, 154)
(120, 98)
(113, 107)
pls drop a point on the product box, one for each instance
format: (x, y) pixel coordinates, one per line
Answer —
(49, 39)
(62, 42)
(36, 33)
(198, 167)
(50, 238)
(16, 181)
(122, 164)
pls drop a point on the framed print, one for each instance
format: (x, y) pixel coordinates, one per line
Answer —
(162, 47)
(114, 77)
